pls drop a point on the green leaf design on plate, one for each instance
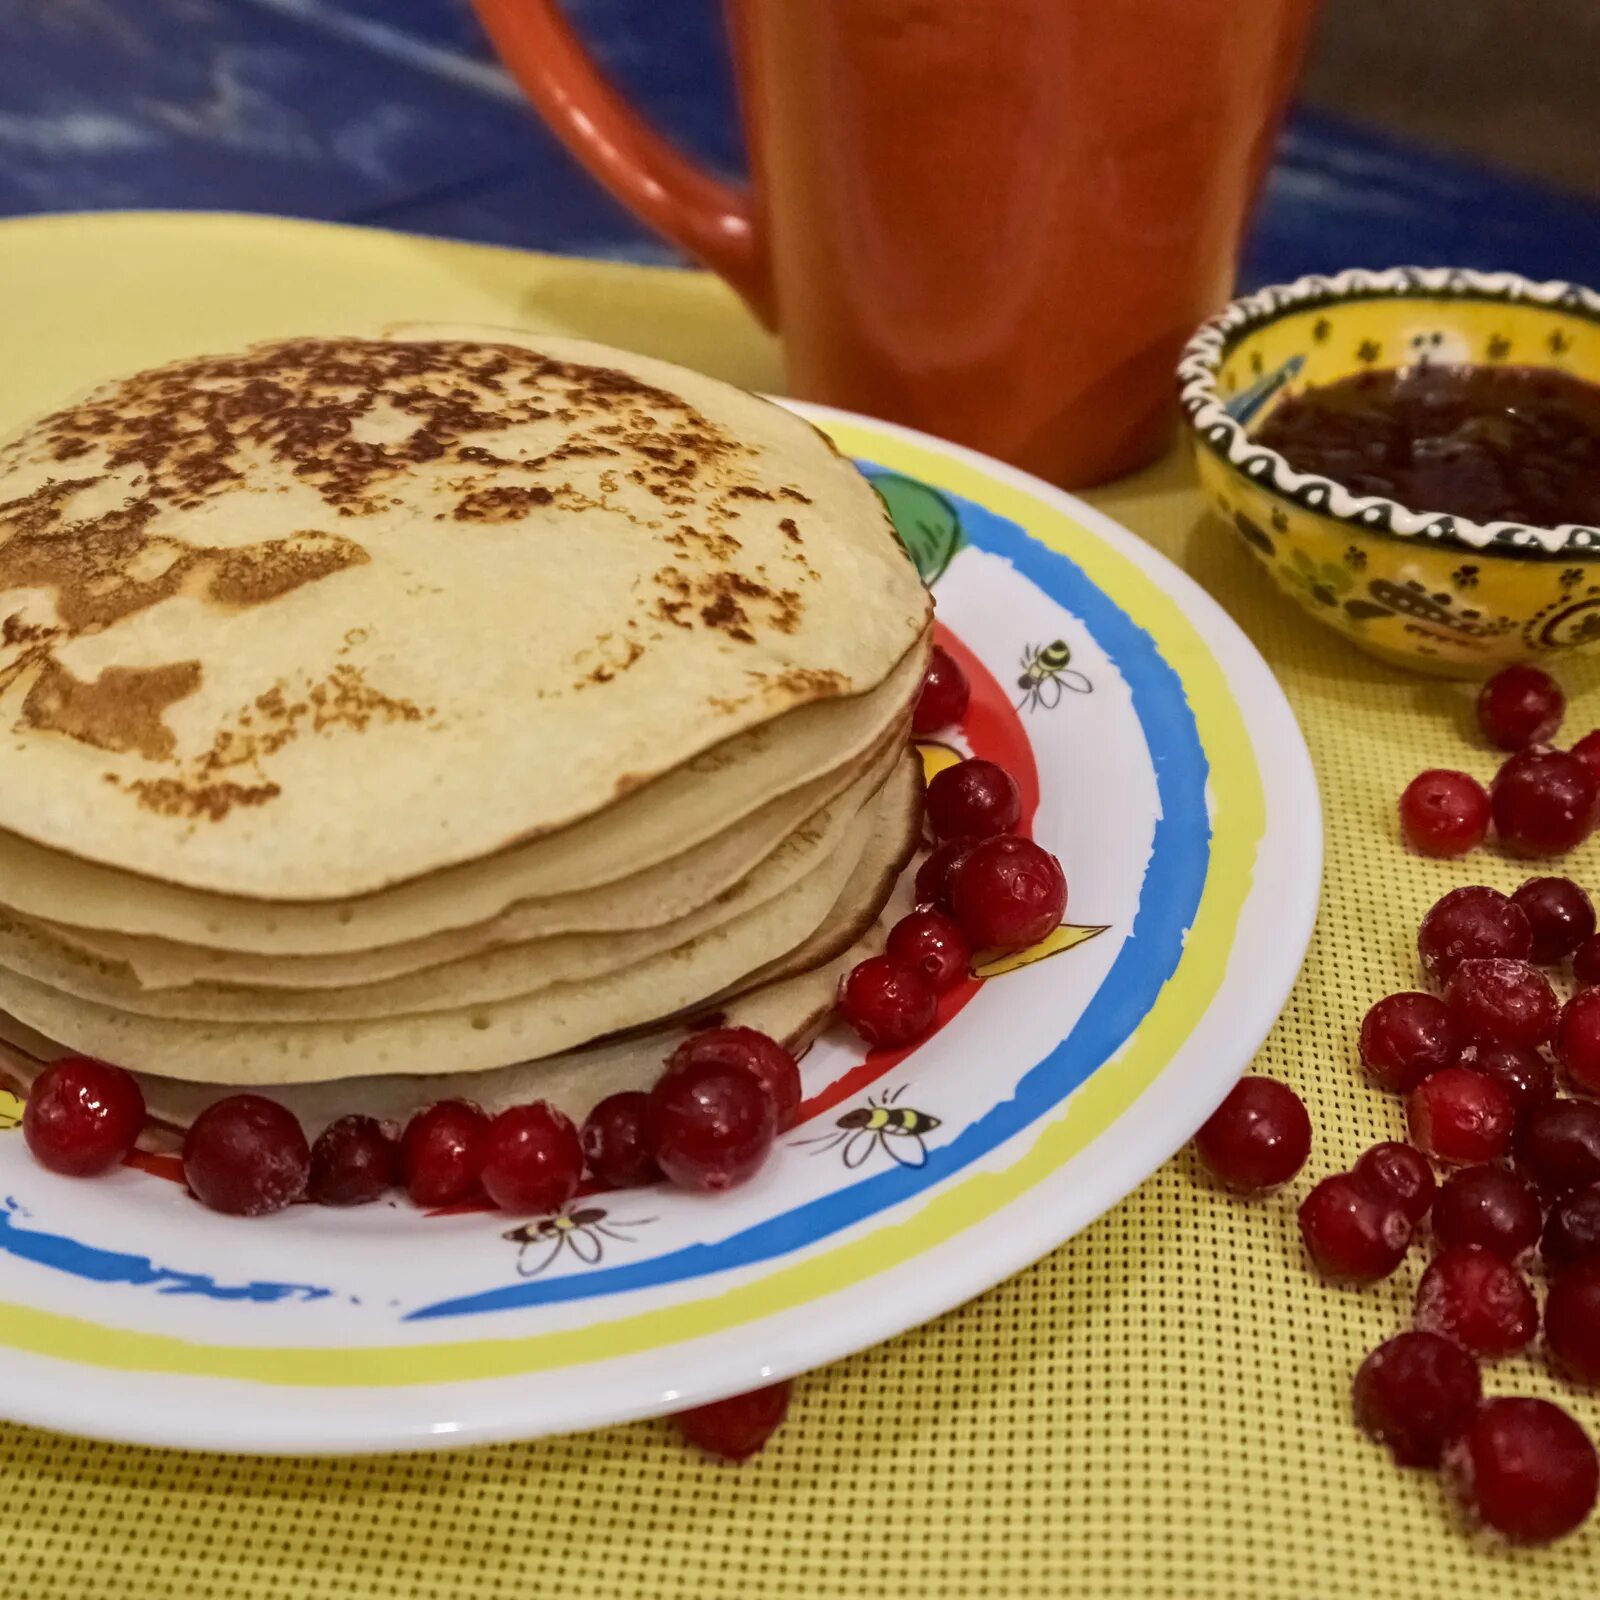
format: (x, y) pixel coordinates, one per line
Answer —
(928, 525)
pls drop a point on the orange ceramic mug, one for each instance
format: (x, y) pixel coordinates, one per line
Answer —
(997, 220)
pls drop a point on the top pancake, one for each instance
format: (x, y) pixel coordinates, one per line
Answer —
(327, 616)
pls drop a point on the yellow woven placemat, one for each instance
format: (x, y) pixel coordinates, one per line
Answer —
(1159, 1409)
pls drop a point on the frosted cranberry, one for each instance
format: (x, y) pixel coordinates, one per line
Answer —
(1488, 1206)
(1415, 1393)
(1578, 1040)
(713, 1124)
(944, 696)
(1353, 1232)
(1587, 750)
(1572, 1324)
(617, 1141)
(1444, 813)
(1520, 706)
(1460, 1116)
(756, 1052)
(82, 1116)
(1476, 921)
(737, 1427)
(1560, 914)
(532, 1160)
(353, 1162)
(973, 800)
(1258, 1138)
(1008, 893)
(1503, 1002)
(1586, 964)
(246, 1155)
(1572, 1233)
(1475, 1297)
(1558, 1146)
(1543, 802)
(887, 1003)
(1400, 1171)
(1404, 1037)
(1526, 1075)
(441, 1153)
(932, 886)
(1526, 1469)
(932, 943)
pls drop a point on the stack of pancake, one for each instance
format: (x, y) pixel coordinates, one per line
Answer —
(399, 717)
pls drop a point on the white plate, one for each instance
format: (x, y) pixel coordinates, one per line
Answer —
(1161, 764)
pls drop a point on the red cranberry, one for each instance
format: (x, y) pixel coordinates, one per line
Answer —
(1578, 1040)
(1472, 922)
(1587, 749)
(737, 1427)
(441, 1153)
(1560, 914)
(1473, 1296)
(1572, 1324)
(972, 800)
(1586, 964)
(1526, 1469)
(1526, 1075)
(1008, 893)
(1498, 1001)
(1488, 1206)
(943, 700)
(932, 943)
(1444, 813)
(616, 1140)
(532, 1160)
(887, 1003)
(1415, 1393)
(1258, 1138)
(754, 1051)
(353, 1162)
(933, 876)
(1543, 802)
(1558, 1146)
(82, 1116)
(1353, 1232)
(246, 1155)
(1520, 706)
(1460, 1116)
(1400, 1171)
(713, 1124)
(1572, 1234)
(1404, 1037)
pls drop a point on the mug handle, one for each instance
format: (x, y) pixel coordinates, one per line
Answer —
(711, 220)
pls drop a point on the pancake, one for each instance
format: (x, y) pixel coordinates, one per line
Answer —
(551, 1020)
(650, 827)
(501, 585)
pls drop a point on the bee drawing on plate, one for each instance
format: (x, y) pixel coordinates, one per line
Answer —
(581, 1229)
(880, 1124)
(1046, 671)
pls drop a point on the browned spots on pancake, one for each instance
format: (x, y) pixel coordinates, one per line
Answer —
(121, 710)
(171, 797)
(812, 682)
(506, 503)
(789, 492)
(786, 526)
(748, 491)
(607, 670)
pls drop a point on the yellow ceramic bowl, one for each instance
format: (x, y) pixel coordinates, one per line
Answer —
(1425, 590)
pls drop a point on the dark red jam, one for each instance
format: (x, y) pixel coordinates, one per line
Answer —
(1491, 444)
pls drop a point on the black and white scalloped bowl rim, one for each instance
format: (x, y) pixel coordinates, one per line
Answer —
(1218, 432)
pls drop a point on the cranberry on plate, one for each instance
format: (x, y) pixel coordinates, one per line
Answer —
(1415, 1393)
(756, 1052)
(972, 799)
(1526, 1075)
(441, 1153)
(1404, 1037)
(617, 1141)
(1475, 1297)
(1258, 1138)
(1444, 813)
(1474, 921)
(887, 1002)
(934, 944)
(1488, 1206)
(530, 1158)
(1572, 1230)
(713, 1123)
(1526, 1469)
(1008, 893)
(944, 695)
(1572, 1324)
(1560, 914)
(1558, 1146)
(1460, 1116)
(1402, 1172)
(1354, 1232)
(1503, 1002)
(1543, 802)
(82, 1116)
(1519, 706)
(1578, 1040)
(246, 1155)
(1586, 963)
(737, 1427)
(353, 1162)
(1587, 749)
